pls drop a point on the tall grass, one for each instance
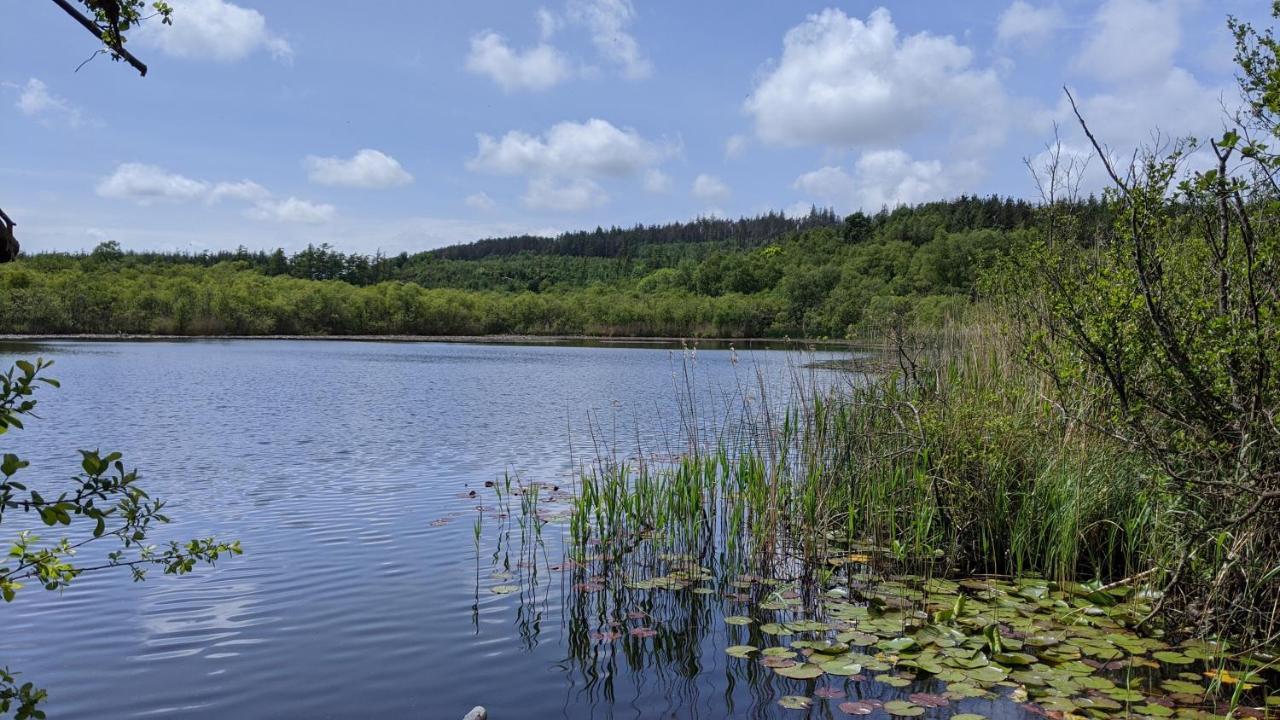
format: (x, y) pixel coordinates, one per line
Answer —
(954, 460)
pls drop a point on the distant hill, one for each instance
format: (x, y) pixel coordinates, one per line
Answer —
(617, 242)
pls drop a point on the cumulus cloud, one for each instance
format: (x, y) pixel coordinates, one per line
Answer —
(607, 22)
(366, 169)
(480, 201)
(538, 68)
(149, 184)
(1131, 51)
(1131, 40)
(710, 188)
(563, 196)
(845, 82)
(214, 30)
(595, 149)
(1024, 22)
(246, 190)
(35, 100)
(293, 210)
(883, 178)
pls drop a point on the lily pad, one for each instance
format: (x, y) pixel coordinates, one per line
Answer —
(795, 702)
(504, 589)
(1172, 658)
(738, 620)
(841, 667)
(902, 708)
(859, 707)
(800, 672)
(740, 651)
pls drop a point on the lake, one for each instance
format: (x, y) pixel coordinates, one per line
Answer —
(345, 468)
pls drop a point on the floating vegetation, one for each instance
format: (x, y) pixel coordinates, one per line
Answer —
(851, 599)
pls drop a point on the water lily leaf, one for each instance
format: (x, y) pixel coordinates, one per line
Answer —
(795, 702)
(988, 674)
(740, 651)
(856, 637)
(1172, 658)
(829, 693)
(893, 681)
(841, 667)
(860, 707)
(929, 700)
(896, 644)
(643, 632)
(800, 672)
(902, 708)
(1014, 658)
(960, 690)
(774, 629)
(1153, 710)
(1057, 704)
(776, 662)
(1183, 687)
(1124, 695)
(778, 652)
(968, 716)
(738, 620)
(504, 589)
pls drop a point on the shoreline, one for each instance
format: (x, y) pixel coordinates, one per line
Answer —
(504, 339)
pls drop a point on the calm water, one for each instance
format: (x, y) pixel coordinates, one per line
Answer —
(344, 468)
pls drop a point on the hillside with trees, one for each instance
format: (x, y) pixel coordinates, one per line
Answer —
(768, 276)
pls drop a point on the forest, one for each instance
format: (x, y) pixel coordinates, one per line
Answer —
(818, 276)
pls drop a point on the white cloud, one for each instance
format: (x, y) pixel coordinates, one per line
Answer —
(35, 100)
(1175, 103)
(735, 146)
(548, 23)
(214, 30)
(293, 210)
(480, 201)
(656, 181)
(366, 169)
(1131, 40)
(567, 196)
(710, 188)
(246, 190)
(146, 184)
(537, 68)
(884, 178)
(1024, 22)
(595, 148)
(844, 82)
(607, 22)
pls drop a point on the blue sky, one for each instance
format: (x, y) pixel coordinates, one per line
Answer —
(410, 125)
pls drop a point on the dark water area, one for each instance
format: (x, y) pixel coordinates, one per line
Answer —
(345, 469)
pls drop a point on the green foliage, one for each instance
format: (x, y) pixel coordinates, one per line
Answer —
(1165, 335)
(103, 502)
(813, 281)
(117, 17)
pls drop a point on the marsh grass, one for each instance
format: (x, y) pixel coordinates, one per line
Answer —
(955, 463)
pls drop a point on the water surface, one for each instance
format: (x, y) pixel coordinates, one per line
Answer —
(345, 468)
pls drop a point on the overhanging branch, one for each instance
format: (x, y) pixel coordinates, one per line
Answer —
(92, 27)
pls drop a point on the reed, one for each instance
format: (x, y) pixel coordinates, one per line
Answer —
(952, 460)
